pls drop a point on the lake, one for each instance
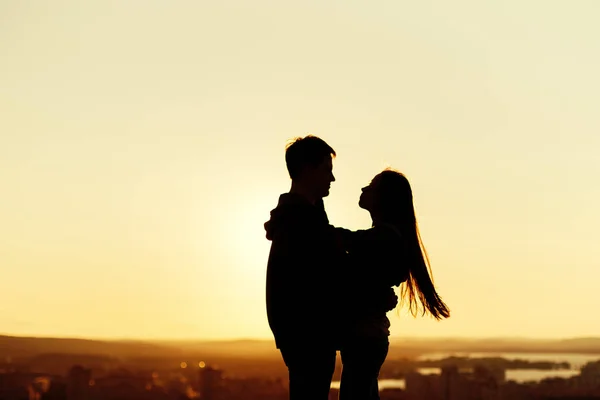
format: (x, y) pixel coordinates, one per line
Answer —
(575, 360)
(519, 375)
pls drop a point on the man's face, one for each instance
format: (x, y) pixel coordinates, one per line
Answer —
(320, 177)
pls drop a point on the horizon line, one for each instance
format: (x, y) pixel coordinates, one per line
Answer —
(263, 339)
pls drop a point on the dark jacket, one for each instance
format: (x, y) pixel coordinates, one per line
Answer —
(377, 262)
(304, 263)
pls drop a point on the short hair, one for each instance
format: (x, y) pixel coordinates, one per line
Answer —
(307, 151)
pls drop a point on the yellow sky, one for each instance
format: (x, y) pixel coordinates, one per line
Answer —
(141, 150)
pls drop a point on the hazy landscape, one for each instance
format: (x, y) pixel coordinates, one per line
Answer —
(254, 369)
(143, 148)
(15, 347)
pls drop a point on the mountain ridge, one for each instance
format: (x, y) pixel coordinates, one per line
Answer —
(24, 346)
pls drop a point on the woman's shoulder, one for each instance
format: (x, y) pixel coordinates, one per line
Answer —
(387, 232)
(379, 238)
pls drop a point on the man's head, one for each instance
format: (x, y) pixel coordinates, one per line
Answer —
(309, 163)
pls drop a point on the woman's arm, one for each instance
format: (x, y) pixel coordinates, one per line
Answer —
(374, 258)
(377, 253)
(350, 241)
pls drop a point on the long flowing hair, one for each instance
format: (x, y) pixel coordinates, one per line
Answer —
(395, 204)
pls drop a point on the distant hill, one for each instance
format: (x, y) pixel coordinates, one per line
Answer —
(499, 345)
(17, 347)
(240, 348)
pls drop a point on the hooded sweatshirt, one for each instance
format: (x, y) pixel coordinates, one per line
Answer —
(304, 263)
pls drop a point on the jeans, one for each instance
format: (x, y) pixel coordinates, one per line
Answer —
(362, 359)
(310, 371)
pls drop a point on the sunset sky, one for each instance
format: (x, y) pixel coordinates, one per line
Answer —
(142, 148)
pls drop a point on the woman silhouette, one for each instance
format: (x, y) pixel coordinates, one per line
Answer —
(388, 254)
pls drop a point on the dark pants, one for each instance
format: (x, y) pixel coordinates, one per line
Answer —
(310, 371)
(361, 361)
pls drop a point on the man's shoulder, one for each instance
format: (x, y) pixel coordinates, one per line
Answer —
(292, 199)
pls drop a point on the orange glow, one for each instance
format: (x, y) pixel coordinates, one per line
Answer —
(112, 174)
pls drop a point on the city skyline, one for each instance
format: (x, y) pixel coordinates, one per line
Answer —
(142, 149)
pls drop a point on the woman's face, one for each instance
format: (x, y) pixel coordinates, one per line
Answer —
(368, 196)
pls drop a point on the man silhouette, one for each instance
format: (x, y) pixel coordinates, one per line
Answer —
(303, 263)
(303, 273)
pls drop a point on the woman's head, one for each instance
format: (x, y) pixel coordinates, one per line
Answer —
(389, 198)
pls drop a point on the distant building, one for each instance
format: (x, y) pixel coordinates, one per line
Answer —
(209, 382)
(423, 386)
(56, 391)
(590, 375)
(490, 375)
(14, 385)
(78, 383)
(451, 383)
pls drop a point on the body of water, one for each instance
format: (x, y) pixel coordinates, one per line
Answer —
(383, 384)
(518, 375)
(575, 360)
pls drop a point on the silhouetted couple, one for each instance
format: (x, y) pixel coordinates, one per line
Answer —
(329, 289)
